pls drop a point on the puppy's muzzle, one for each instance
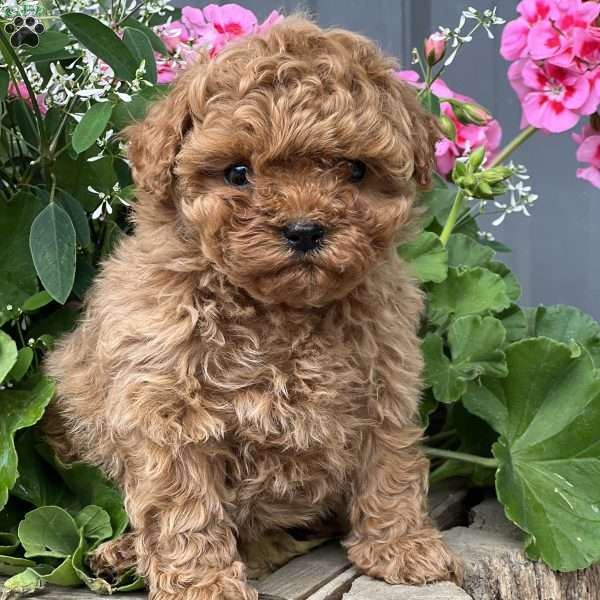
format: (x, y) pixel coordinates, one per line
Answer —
(304, 236)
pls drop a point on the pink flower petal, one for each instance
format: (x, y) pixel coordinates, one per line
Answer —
(547, 113)
(589, 150)
(591, 174)
(230, 19)
(514, 39)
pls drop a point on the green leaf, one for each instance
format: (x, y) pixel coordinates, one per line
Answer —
(103, 42)
(141, 49)
(513, 288)
(126, 112)
(20, 408)
(475, 344)
(91, 126)
(155, 41)
(548, 414)
(475, 347)
(466, 252)
(430, 101)
(52, 243)
(566, 324)
(90, 487)
(77, 174)
(437, 203)
(38, 483)
(23, 584)
(52, 43)
(468, 291)
(8, 355)
(18, 280)
(96, 584)
(49, 531)
(439, 374)
(37, 301)
(9, 543)
(426, 257)
(21, 366)
(13, 565)
(95, 523)
(514, 321)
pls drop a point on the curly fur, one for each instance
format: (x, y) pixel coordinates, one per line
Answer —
(228, 386)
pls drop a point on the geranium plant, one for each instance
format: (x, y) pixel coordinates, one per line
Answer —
(512, 395)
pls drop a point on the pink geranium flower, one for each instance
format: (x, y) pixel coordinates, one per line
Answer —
(555, 96)
(467, 137)
(212, 27)
(589, 152)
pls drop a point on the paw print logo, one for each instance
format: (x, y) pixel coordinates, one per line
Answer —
(24, 31)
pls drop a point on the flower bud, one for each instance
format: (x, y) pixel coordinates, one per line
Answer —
(435, 48)
(475, 114)
(476, 159)
(447, 127)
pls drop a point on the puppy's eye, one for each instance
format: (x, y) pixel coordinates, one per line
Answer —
(237, 175)
(358, 170)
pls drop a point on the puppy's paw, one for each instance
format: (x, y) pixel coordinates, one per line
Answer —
(113, 558)
(419, 557)
(212, 584)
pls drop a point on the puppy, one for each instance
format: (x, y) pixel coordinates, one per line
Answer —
(248, 360)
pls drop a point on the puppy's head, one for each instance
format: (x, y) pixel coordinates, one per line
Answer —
(291, 161)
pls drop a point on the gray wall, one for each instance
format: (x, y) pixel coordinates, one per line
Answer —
(555, 250)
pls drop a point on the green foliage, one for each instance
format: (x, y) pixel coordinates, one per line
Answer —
(547, 414)
(519, 388)
(511, 385)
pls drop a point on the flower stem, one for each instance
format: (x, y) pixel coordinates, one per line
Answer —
(512, 146)
(491, 463)
(452, 217)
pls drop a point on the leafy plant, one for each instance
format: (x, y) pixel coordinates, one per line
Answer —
(513, 394)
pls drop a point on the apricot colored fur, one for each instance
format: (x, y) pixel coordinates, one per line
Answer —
(230, 387)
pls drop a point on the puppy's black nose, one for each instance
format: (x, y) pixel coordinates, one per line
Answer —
(304, 236)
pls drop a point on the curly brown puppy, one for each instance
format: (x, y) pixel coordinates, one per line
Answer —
(248, 360)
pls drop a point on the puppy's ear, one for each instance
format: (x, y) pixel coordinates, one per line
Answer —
(155, 141)
(423, 132)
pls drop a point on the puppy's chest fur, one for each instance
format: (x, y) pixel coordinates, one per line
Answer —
(294, 393)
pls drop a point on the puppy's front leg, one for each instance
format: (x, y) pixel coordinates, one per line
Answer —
(392, 537)
(185, 540)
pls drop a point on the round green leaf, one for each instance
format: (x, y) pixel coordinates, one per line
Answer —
(49, 531)
(445, 381)
(91, 126)
(464, 251)
(52, 243)
(8, 355)
(426, 257)
(548, 414)
(566, 324)
(468, 291)
(513, 288)
(95, 523)
(141, 49)
(475, 345)
(20, 408)
(103, 42)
